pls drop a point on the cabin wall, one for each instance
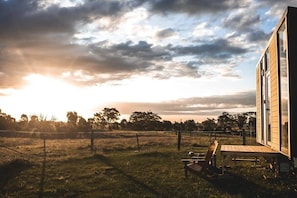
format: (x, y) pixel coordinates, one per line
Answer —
(290, 18)
(275, 138)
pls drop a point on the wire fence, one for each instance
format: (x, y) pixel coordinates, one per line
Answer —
(34, 146)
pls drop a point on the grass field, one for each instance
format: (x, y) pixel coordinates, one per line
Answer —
(117, 169)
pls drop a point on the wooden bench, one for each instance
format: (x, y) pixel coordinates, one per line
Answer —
(202, 166)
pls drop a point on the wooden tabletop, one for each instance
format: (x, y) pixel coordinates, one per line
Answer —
(247, 149)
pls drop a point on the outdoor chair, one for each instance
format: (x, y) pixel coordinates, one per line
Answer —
(202, 165)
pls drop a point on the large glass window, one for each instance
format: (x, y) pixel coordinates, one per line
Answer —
(284, 93)
(268, 96)
(265, 99)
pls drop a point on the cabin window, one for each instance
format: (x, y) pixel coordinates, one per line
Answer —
(283, 85)
(268, 96)
(262, 102)
(265, 99)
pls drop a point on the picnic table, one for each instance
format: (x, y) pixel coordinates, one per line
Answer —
(233, 151)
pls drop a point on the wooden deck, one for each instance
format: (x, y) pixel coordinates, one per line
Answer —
(230, 151)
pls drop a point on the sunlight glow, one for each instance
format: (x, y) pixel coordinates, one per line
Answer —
(47, 96)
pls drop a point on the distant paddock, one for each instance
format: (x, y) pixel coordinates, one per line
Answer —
(116, 133)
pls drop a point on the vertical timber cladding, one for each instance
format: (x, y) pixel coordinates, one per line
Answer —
(275, 140)
(272, 48)
(292, 62)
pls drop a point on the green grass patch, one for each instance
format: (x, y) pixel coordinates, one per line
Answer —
(117, 169)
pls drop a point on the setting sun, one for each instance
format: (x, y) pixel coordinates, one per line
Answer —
(46, 96)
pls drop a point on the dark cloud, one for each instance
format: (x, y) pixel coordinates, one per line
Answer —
(279, 3)
(142, 50)
(195, 6)
(28, 18)
(218, 49)
(258, 35)
(242, 21)
(165, 33)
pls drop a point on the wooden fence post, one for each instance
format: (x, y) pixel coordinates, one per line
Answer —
(243, 137)
(137, 143)
(92, 141)
(178, 139)
(44, 147)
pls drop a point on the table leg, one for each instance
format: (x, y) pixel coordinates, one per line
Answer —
(223, 164)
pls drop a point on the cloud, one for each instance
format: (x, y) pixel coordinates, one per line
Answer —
(258, 35)
(195, 7)
(217, 49)
(54, 39)
(203, 30)
(38, 38)
(165, 33)
(276, 7)
(196, 106)
(241, 21)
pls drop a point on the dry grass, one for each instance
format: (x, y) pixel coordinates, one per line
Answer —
(117, 169)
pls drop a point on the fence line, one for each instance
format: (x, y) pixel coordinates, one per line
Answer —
(22, 153)
(121, 140)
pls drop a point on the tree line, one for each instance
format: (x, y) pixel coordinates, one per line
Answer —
(108, 119)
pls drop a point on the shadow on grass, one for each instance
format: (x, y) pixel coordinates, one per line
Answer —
(234, 184)
(155, 154)
(41, 183)
(131, 178)
(12, 169)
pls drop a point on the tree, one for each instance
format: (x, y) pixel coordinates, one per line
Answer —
(167, 125)
(72, 119)
(24, 118)
(111, 115)
(46, 126)
(99, 121)
(190, 125)
(209, 125)
(241, 120)
(226, 121)
(6, 121)
(144, 120)
(61, 126)
(82, 124)
(251, 121)
(33, 123)
(23, 123)
(178, 126)
(124, 124)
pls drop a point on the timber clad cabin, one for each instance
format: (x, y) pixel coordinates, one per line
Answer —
(276, 87)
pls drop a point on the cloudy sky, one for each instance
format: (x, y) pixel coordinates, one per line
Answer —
(181, 59)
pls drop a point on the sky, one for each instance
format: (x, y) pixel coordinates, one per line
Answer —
(180, 59)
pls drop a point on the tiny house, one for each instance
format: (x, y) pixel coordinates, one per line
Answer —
(276, 88)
